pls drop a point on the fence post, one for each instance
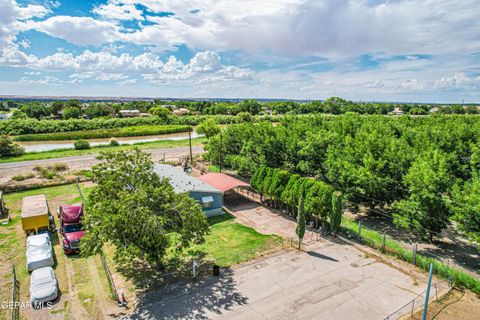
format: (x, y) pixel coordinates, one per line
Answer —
(359, 230)
(194, 264)
(383, 243)
(414, 254)
(413, 306)
(14, 285)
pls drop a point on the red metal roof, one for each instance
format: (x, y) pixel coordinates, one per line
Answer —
(222, 181)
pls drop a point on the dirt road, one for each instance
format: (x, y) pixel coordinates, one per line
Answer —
(8, 170)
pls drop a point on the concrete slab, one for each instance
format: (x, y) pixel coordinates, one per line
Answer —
(294, 285)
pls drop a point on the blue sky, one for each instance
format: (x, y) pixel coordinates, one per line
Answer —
(396, 50)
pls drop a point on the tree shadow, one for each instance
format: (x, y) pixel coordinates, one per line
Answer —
(320, 256)
(196, 300)
(451, 245)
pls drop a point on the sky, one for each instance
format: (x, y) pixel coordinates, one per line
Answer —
(392, 50)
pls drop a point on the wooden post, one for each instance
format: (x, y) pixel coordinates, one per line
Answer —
(415, 254)
(359, 230)
(383, 243)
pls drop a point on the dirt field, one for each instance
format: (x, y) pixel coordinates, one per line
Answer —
(457, 305)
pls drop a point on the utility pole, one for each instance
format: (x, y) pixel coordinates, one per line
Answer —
(190, 142)
(425, 306)
(221, 150)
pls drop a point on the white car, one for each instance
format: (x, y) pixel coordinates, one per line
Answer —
(43, 286)
(39, 252)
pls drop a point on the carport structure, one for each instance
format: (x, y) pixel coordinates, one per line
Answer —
(221, 181)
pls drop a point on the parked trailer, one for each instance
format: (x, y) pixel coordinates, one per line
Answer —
(35, 214)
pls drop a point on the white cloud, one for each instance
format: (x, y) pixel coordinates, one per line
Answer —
(77, 30)
(118, 11)
(311, 27)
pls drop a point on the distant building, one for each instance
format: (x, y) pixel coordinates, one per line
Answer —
(129, 113)
(181, 111)
(169, 106)
(5, 116)
(434, 110)
(397, 112)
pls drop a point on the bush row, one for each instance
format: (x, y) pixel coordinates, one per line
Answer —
(144, 130)
(322, 204)
(33, 126)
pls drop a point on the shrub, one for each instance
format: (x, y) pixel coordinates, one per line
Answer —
(8, 148)
(21, 177)
(81, 144)
(59, 167)
(113, 142)
(71, 113)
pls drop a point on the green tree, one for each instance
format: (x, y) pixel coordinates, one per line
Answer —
(8, 148)
(58, 106)
(466, 207)
(208, 127)
(17, 114)
(250, 106)
(301, 222)
(161, 112)
(37, 111)
(337, 212)
(71, 113)
(98, 110)
(318, 202)
(138, 212)
(425, 211)
(277, 185)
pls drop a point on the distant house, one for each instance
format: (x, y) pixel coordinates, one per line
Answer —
(129, 113)
(5, 116)
(210, 198)
(181, 111)
(434, 110)
(397, 112)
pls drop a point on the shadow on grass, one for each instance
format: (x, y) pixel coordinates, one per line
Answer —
(219, 219)
(197, 300)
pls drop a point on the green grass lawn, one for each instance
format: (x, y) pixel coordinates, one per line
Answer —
(230, 242)
(134, 131)
(60, 153)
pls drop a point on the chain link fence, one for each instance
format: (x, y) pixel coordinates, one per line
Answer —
(15, 313)
(437, 290)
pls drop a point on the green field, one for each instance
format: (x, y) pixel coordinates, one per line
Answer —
(60, 153)
(230, 242)
(135, 131)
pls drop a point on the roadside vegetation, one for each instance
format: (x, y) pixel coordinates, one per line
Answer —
(105, 133)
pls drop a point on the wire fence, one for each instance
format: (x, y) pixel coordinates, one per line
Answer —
(15, 296)
(437, 290)
(111, 283)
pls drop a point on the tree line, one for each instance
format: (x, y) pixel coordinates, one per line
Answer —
(32, 126)
(284, 190)
(424, 171)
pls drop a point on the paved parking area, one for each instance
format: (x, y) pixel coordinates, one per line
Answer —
(331, 281)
